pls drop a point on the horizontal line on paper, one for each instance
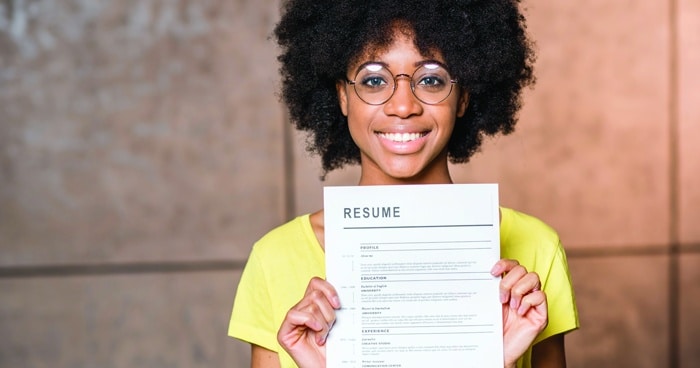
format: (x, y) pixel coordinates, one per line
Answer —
(430, 242)
(422, 249)
(430, 333)
(425, 273)
(417, 326)
(413, 226)
(431, 280)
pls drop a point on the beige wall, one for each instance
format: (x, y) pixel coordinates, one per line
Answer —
(142, 151)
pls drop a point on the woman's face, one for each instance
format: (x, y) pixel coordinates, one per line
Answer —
(403, 140)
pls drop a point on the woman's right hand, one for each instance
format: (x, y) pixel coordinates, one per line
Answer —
(305, 328)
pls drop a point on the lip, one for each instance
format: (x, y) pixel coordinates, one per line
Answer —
(402, 142)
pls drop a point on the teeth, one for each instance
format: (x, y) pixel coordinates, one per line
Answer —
(401, 137)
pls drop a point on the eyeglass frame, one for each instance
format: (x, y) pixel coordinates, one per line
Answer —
(353, 83)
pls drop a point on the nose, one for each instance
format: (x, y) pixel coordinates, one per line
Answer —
(403, 103)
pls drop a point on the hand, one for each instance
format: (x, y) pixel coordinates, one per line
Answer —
(305, 328)
(524, 308)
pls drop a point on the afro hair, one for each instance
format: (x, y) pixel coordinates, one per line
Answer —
(483, 42)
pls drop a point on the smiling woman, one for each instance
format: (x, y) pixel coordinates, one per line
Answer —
(400, 88)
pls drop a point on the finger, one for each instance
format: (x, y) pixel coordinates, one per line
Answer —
(303, 318)
(508, 281)
(321, 297)
(298, 325)
(316, 302)
(537, 302)
(314, 313)
(503, 266)
(526, 284)
(323, 286)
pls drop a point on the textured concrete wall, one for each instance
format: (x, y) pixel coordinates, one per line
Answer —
(146, 122)
(142, 151)
(140, 156)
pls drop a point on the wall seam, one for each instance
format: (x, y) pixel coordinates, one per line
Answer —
(113, 268)
(674, 188)
(137, 267)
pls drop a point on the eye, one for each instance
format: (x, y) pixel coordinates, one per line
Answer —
(434, 81)
(431, 83)
(374, 81)
(431, 78)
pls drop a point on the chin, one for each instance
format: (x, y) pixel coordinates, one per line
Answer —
(404, 175)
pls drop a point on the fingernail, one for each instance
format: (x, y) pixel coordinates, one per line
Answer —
(513, 303)
(504, 297)
(336, 302)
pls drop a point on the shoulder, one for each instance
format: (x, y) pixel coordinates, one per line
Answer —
(292, 243)
(284, 236)
(291, 228)
(528, 239)
(518, 227)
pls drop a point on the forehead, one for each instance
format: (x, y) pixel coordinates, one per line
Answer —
(400, 47)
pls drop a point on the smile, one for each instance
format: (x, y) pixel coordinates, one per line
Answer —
(402, 137)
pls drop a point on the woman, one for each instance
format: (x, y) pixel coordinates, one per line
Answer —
(400, 88)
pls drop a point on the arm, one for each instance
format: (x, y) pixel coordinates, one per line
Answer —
(549, 353)
(263, 358)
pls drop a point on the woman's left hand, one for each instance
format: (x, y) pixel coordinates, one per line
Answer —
(524, 308)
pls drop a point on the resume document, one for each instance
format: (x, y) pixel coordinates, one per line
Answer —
(411, 265)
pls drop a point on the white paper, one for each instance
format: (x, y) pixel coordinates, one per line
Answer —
(411, 264)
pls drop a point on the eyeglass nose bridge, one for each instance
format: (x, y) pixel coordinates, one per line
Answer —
(396, 86)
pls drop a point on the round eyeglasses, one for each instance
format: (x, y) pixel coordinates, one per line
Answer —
(374, 83)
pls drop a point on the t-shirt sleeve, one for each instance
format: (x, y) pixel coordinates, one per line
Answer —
(556, 281)
(252, 317)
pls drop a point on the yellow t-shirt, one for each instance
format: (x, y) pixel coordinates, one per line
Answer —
(284, 260)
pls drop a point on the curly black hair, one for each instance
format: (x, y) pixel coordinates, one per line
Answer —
(483, 42)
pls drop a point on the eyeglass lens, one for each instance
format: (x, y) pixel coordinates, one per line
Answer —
(430, 83)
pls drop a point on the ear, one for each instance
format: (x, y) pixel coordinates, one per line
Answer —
(463, 102)
(342, 96)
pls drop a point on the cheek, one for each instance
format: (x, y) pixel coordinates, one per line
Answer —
(360, 115)
(445, 116)
(356, 125)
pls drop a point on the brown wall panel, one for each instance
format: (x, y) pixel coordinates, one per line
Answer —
(590, 154)
(142, 320)
(308, 185)
(623, 308)
(137, 130)
(688, 319)
(688, 14)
